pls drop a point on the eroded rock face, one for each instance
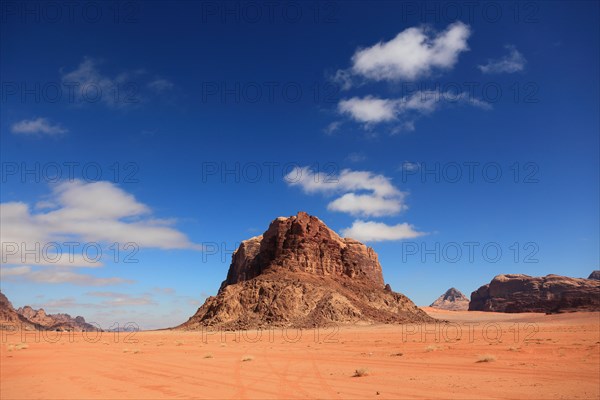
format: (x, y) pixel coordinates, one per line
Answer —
(10, 319)
(36, 316)
(303, 243)
(300, 273)
(523, 293)
(55, 321)
(452, 300)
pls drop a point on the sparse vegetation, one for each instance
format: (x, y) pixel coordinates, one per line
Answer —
(18, 346)
(247, 358)
(360, 372)
(397, 354)
(514, 348)
(208, 356)
(178, 343)
(432, 348)
(486, 358)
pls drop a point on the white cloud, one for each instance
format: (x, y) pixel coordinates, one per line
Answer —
(413, 53)
(37, 127)
(514, 61)
(98, 212)
(382, 197)
(403, 111)
(367, 204)
(57, 276)
(369, 109)
(369, 231)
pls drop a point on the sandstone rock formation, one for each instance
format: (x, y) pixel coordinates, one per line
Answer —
(10, 319)
(595, 275)
(514, 293)
(452, 300)
(300, 273)
(59, 321)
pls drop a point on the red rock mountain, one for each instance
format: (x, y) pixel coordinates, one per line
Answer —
(56, 321)
(10, 319)
(29, 319)
(300, 273)
(522, 293)
(452, 300)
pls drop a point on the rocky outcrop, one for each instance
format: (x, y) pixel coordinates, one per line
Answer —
(36, 316)
(515, 293)
(10, 319)
(300, 273)
(63, 322)
(595, 275)
(303, 243)
(452, 300)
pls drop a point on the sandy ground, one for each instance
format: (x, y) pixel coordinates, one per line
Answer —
(537, 356)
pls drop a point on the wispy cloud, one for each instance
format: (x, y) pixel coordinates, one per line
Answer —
(413, 53)
(122, 299)
(402, 112)
(333, 127)
(369, 231)
(37, 127)
(96, 212)
(359, 193)
(362, 192)
(57, 276)
(160, 85)
(514, 61)
(122, 90)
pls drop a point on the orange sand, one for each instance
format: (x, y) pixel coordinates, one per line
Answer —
(553, 356)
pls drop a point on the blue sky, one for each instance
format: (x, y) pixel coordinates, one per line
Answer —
(185, 128)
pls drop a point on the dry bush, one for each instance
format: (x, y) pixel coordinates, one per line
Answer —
(486, 358)
(360, 372)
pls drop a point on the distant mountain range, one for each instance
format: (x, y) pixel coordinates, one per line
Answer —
(30, 319)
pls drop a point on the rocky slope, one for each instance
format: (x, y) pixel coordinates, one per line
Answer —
(10, 319)
(523, 293)
(452, 300)
(595, 275)
(300, 273)
(55, 321)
